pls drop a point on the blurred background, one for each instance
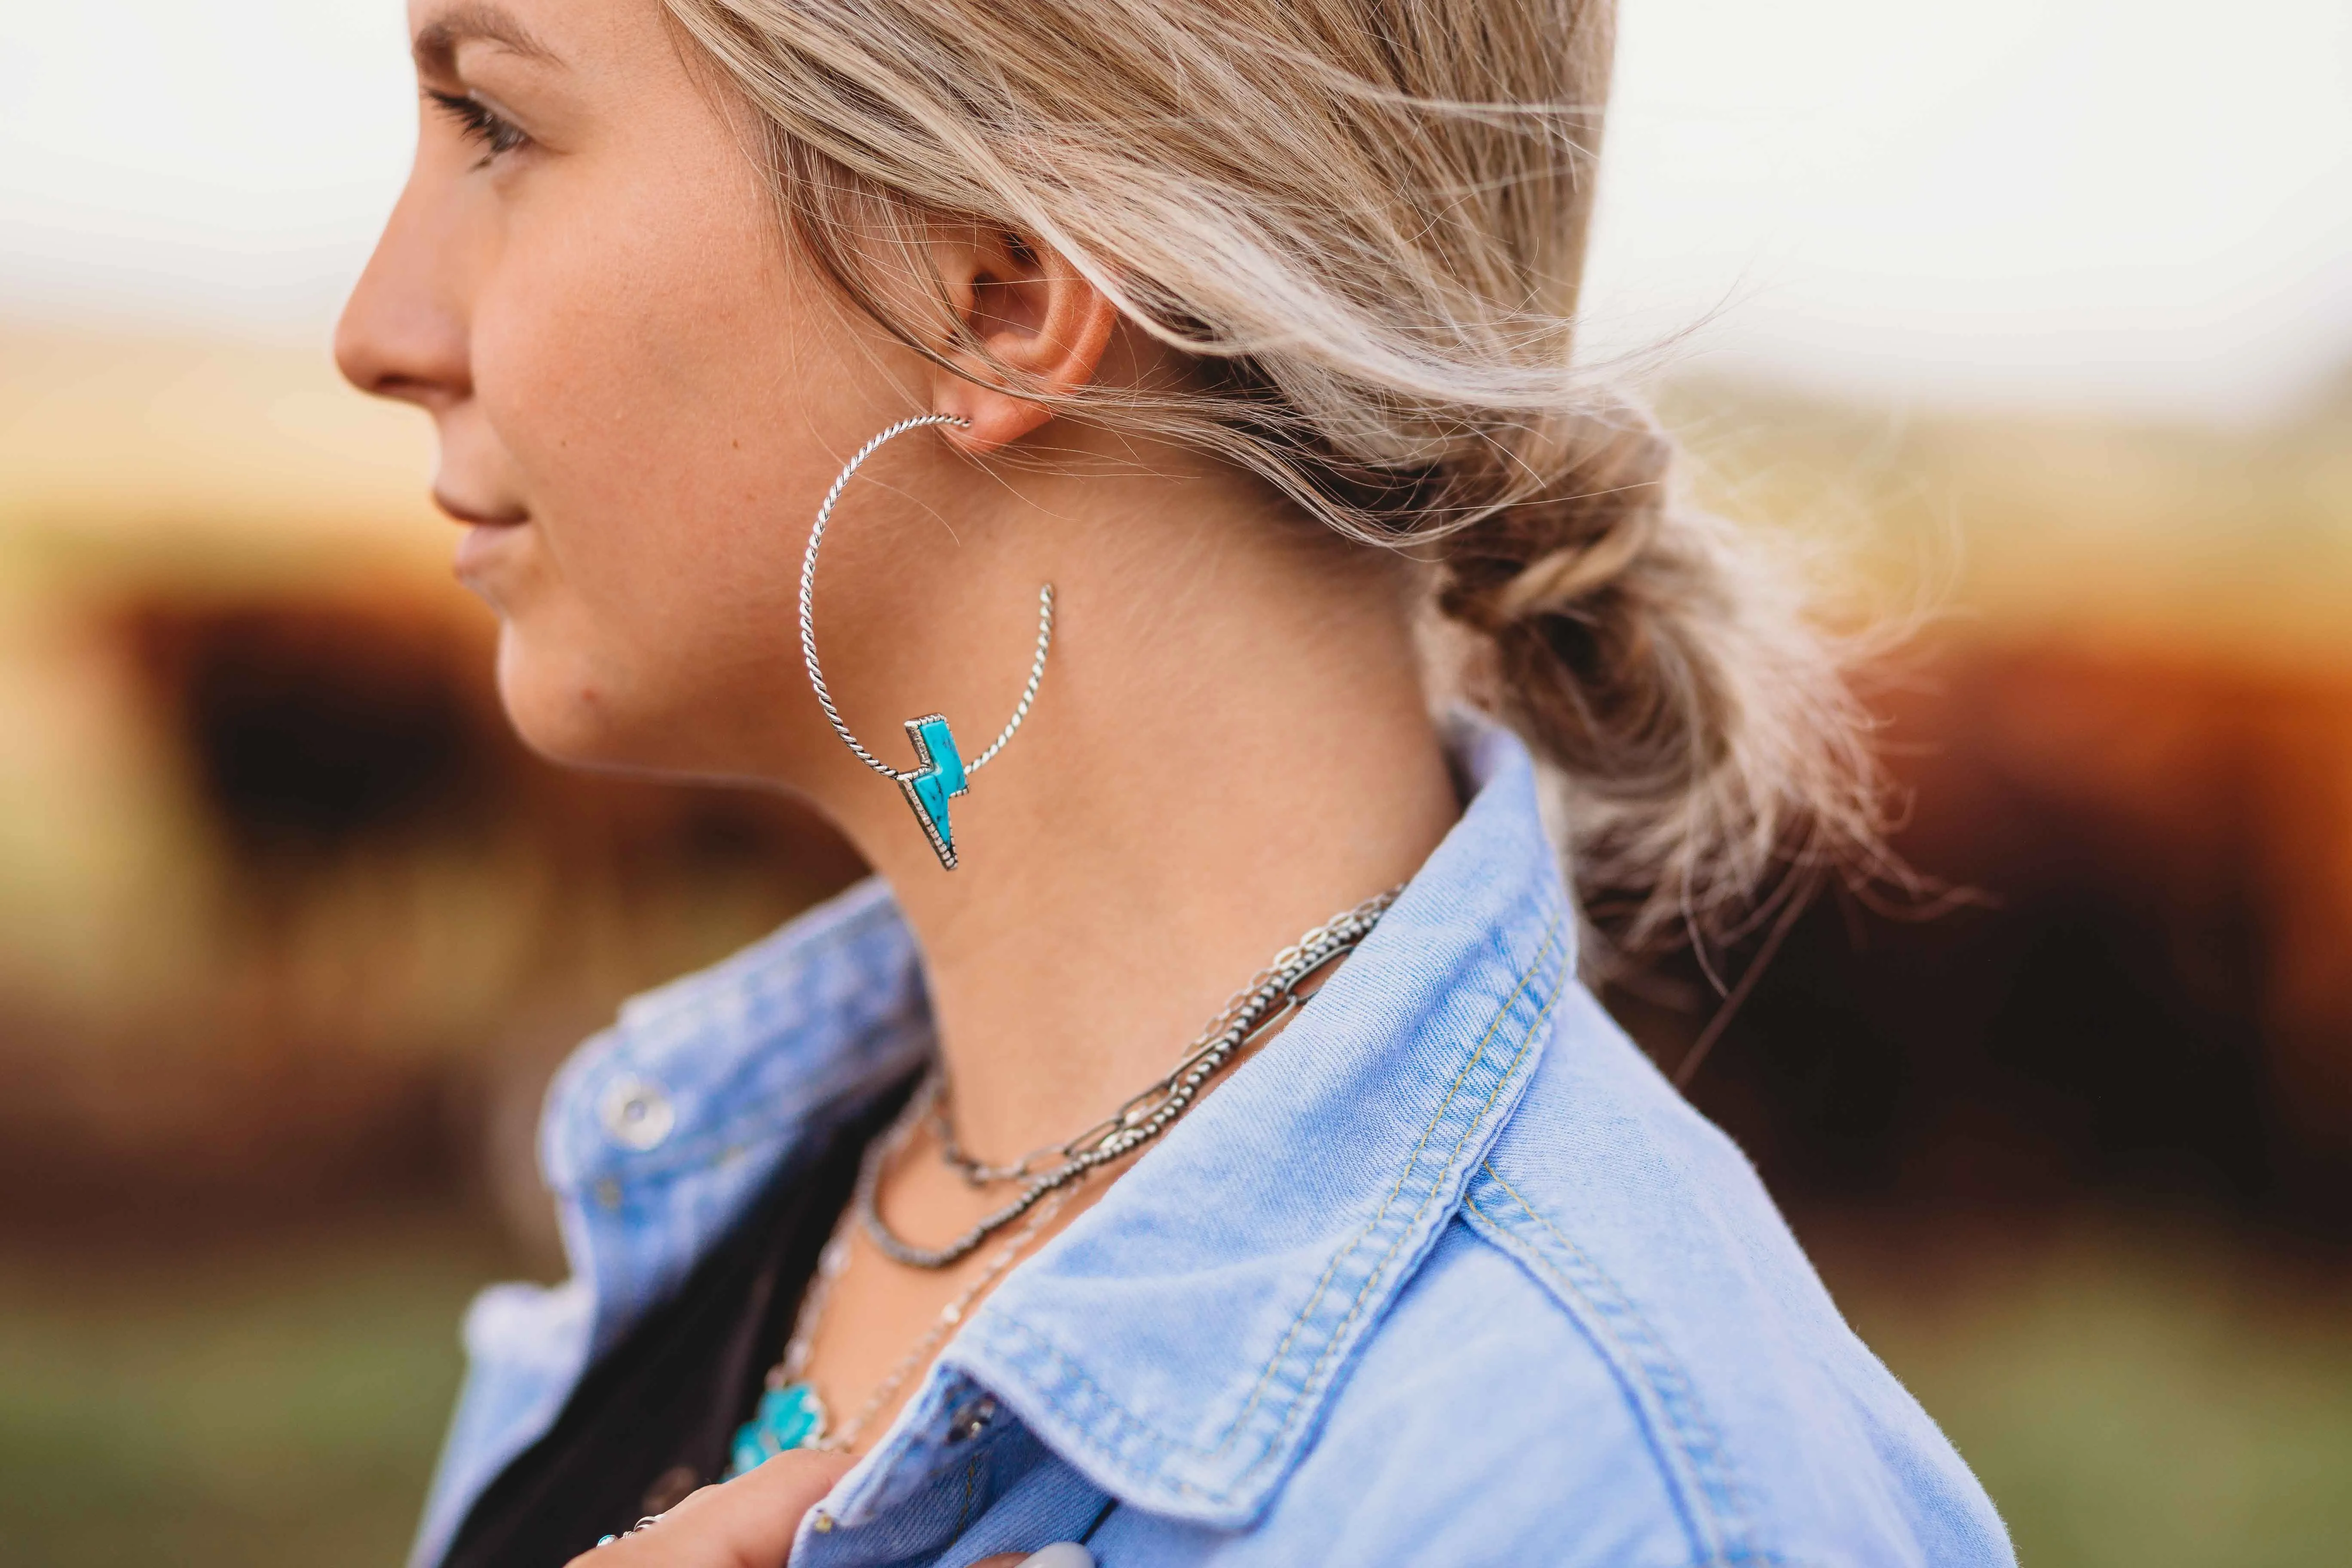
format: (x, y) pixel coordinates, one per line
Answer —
(2038, 312)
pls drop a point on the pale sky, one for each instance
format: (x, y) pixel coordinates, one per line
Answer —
(2129, 203)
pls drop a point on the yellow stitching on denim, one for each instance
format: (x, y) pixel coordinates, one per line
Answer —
(1719, 1526)
(1141, 1430)
(1298, 1324)
(1684, 1472)
(1151, 1434)
(1372, 1278)
(1315, 1297)
(1144, 1430)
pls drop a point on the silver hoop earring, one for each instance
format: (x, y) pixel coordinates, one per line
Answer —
(939, 773)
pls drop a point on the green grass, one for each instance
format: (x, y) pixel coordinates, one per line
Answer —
(263, 1406)
(2161, 1402)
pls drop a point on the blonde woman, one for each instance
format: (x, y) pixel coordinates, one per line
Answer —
(1123, 460)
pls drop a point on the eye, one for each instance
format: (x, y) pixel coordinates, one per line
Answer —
(479, 122)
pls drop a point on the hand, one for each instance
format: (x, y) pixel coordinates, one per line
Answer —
(747, 1522)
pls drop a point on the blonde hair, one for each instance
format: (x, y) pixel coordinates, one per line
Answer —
(1365, 221)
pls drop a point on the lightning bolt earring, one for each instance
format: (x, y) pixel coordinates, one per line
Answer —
(939, 773)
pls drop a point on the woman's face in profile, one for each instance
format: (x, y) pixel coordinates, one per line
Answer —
(585, 283)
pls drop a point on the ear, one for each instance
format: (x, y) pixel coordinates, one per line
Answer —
(1034, 314)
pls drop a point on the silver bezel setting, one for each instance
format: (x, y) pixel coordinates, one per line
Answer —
(941, 844)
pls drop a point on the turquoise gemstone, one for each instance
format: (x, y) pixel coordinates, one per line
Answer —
(939, 750)
(938, 778)
(934, 801)
(789, 1417)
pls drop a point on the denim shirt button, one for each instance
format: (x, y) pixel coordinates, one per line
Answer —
(972, 1420)
(636, 1112)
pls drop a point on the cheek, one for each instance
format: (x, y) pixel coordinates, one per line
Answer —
(643, 366)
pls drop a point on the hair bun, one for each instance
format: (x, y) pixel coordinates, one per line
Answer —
(1657, 657)
(1559, 519)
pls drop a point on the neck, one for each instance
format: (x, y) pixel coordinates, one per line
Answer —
(1231, 744)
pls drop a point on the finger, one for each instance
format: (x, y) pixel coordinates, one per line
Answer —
(1061, 1555)
(747, 1522)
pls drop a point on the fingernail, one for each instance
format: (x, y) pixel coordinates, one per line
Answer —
(1061, 1555)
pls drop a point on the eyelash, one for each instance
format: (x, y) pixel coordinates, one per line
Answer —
(480, 123)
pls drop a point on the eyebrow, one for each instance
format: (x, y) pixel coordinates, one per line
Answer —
(435, 43)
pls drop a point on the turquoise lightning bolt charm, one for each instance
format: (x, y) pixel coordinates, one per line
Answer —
(939, 773)
(938, 780)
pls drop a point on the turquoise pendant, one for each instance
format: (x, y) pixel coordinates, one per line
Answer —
(789, 1417)
(938, 778)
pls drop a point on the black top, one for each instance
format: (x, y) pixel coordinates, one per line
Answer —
(656, 1417)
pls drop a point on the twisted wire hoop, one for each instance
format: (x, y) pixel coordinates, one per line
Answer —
(808, 612)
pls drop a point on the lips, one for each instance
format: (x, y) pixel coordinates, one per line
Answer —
(480, 516)
(478, 552)
(488, 529)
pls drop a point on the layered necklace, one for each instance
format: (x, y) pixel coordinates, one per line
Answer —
(791, 1416)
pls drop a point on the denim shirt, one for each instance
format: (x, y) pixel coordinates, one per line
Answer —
(1449, 1274)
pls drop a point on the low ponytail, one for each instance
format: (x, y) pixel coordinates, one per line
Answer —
(1660, 661)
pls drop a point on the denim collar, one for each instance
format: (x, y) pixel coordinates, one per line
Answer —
(1178, 1342)
(661, 1131)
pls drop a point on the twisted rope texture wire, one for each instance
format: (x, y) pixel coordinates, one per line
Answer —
(808, 613)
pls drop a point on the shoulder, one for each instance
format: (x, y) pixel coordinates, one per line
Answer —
(1621, 1350)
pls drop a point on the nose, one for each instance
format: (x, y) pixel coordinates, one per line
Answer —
(405, 328)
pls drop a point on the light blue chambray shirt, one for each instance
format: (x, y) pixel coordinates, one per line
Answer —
(1449, 1277)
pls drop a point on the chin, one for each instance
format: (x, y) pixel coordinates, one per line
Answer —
(562, 709)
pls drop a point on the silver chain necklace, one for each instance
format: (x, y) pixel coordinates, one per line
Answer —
(1263, 1005)
(790, 1415)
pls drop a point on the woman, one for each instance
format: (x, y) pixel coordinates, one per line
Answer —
(1219, 355)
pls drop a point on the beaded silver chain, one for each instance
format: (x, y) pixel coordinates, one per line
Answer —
(1263, 1005)
(834, 1259)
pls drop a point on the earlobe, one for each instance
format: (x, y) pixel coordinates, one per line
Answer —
(1043, 328)
(991, 418)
